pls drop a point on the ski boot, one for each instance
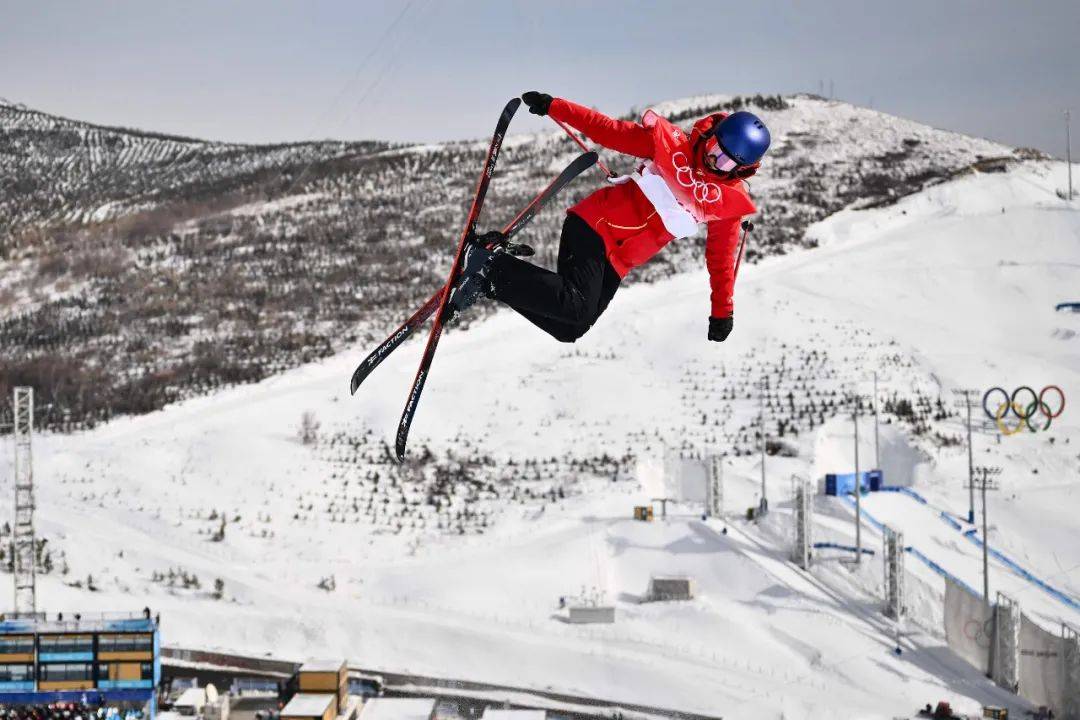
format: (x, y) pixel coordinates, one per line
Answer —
(519, 249)
(472, 281)
(495, 239)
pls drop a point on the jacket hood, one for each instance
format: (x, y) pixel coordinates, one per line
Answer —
(704, 125)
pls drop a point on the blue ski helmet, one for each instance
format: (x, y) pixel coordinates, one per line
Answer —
(743, 137)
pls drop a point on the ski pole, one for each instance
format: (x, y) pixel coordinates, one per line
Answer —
(747, 226)
(583, 146)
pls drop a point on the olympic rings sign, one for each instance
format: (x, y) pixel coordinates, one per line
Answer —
(1014, 404)
(979, 632)
(703, 192)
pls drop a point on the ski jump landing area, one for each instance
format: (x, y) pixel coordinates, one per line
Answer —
(949, 546)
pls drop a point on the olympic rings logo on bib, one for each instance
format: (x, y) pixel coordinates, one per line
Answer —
(704, 192)
(1024, 412)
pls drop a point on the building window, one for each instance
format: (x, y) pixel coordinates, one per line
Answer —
(125, 643)
(16, 673)
(125, 671)
(66, 671)
(16, 645)
(62, 644)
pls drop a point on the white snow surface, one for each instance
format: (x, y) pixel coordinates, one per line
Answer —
(381, 708)
(953, 287)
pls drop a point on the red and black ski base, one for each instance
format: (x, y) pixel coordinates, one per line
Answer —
(440, 314)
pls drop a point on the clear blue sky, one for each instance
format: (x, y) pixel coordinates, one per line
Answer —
(260, 70)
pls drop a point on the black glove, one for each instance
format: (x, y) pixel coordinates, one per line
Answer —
(492, 237)
(720, 328)
(538, 102)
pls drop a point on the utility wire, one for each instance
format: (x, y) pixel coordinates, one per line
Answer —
(356, 75)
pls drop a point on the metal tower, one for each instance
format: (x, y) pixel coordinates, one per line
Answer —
(1005, 656)
(714, 496)
(894, 573)
(800, 552)
(1070, 638)
(22, 543)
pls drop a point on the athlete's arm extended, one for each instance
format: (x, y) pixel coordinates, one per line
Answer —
(619, 135)
(720, 247)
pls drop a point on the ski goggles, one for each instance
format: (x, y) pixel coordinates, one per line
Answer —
(716, 158)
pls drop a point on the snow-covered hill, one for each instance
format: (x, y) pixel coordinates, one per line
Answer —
(57, 171)
(141, 270)
(529, 455)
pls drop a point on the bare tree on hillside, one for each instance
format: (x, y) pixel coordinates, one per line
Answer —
(309, 428)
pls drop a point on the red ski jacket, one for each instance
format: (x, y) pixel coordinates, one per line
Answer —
(665, 198)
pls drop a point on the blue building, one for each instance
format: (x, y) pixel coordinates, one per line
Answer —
(844, 483)
(95, 659)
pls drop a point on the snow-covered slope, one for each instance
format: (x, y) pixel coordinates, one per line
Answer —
(537, 452)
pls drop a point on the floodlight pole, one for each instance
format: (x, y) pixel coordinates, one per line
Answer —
(966, 395)
(761, 400)
(877, 447)
(986, 540)
(1068, 153)
(858, 487)
(971, 468)
(986, 475)
(23, 544)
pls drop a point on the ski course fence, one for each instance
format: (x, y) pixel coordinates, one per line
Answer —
(972, 535)
(1019, 654)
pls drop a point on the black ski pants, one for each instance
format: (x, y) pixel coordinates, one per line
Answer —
(564, 304)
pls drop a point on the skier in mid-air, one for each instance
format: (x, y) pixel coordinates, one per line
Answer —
(684, 181)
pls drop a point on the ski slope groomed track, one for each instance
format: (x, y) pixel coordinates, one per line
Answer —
(952, 544)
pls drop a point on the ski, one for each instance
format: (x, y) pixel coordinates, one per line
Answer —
(580, 164)
(440, 314)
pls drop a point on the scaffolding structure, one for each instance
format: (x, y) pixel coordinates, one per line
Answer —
(23, 548)
(800, 552)
(1071, 661)
(1005, 659)
(714, 495)
(894, 573)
